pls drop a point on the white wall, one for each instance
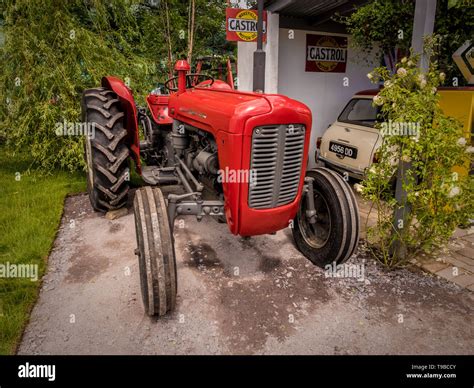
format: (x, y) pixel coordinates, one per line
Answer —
(245, 52)
(324, 93)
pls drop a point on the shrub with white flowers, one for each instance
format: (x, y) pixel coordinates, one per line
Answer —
(440, 190)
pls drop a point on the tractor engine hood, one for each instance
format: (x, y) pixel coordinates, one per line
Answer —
(217, 110)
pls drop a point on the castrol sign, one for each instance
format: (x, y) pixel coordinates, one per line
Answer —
(326, 53)
(241, 25)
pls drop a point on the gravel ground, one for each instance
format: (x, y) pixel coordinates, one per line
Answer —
(236, 296)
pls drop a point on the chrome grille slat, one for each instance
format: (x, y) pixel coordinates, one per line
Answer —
(276, 159)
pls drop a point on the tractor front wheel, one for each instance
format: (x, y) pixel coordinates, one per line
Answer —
(334, 233)
(156, 255)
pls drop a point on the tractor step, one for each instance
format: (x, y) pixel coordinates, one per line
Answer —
(154, 175)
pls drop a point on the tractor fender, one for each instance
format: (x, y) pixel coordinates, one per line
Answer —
(125, 95)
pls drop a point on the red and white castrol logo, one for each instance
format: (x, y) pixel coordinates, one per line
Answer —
(241, 25)
(325, 53)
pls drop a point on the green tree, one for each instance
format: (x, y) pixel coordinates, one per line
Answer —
(388, 24)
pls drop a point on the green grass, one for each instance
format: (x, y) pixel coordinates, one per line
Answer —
(30, 212)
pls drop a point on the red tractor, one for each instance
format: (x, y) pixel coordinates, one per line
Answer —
(240, 157)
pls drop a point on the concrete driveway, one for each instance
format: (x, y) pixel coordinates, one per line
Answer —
(236, 296)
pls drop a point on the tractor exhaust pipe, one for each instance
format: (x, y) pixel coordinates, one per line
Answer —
(182, 67)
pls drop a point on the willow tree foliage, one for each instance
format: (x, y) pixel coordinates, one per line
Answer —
(54, 49)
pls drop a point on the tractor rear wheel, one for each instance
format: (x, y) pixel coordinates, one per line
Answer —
(106, 151)
(156, 255)
(334, 236)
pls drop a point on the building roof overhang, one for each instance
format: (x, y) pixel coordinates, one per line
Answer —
(313, 15)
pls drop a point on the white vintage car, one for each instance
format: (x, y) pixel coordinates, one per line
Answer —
(349, 145)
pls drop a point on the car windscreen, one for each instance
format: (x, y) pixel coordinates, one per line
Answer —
(359, 111)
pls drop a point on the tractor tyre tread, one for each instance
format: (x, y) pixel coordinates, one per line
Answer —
(108, 175)
(156, 255)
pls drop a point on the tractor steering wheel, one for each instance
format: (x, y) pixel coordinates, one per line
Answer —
(191, 81)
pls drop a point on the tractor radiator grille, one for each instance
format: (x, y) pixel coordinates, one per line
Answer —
(277, 155)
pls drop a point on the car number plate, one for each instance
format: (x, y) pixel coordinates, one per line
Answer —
(343, 150)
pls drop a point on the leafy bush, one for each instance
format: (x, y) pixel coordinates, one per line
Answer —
(440, 197)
